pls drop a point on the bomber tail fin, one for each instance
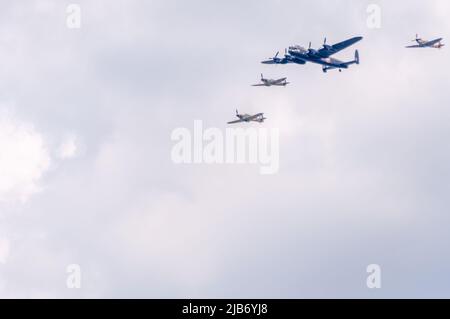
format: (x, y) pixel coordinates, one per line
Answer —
(346, 64)
(357, 57)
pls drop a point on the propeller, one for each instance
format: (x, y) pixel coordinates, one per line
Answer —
(325, 45)
(262, 77)
(275, 56)
(310, 50)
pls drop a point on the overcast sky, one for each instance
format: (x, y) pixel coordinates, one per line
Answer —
(86, 176)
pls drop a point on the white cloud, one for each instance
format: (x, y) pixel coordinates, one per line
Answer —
(68, 149)
(23, 158)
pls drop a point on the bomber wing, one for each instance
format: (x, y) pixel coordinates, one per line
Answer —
(328, 51)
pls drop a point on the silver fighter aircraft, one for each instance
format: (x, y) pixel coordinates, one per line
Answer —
(249, 118)
(270, 82)
(421, 43)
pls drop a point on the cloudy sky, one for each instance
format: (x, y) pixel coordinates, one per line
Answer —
(86, 175)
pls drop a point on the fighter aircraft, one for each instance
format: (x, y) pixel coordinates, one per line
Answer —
(249, 118)
(421, 43)
(270, 82)
(300, 55)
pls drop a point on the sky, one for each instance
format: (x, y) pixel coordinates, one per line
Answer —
(86, 175)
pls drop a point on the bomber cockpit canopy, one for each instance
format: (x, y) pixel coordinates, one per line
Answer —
(297, 48)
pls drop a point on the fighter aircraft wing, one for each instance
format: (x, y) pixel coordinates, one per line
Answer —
(330, 50)
(414, 46)
(258, 85)
(279, 81)
(254, 117)
(235, 122)
(431, 43)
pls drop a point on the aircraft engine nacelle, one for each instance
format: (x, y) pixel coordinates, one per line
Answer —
(312, 52)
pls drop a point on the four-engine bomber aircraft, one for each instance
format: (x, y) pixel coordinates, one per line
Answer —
(270, 82)
(300, 55)
(249, 118)
(421, 43)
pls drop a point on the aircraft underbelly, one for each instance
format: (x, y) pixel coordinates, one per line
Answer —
(327, 62)
(335, 61)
